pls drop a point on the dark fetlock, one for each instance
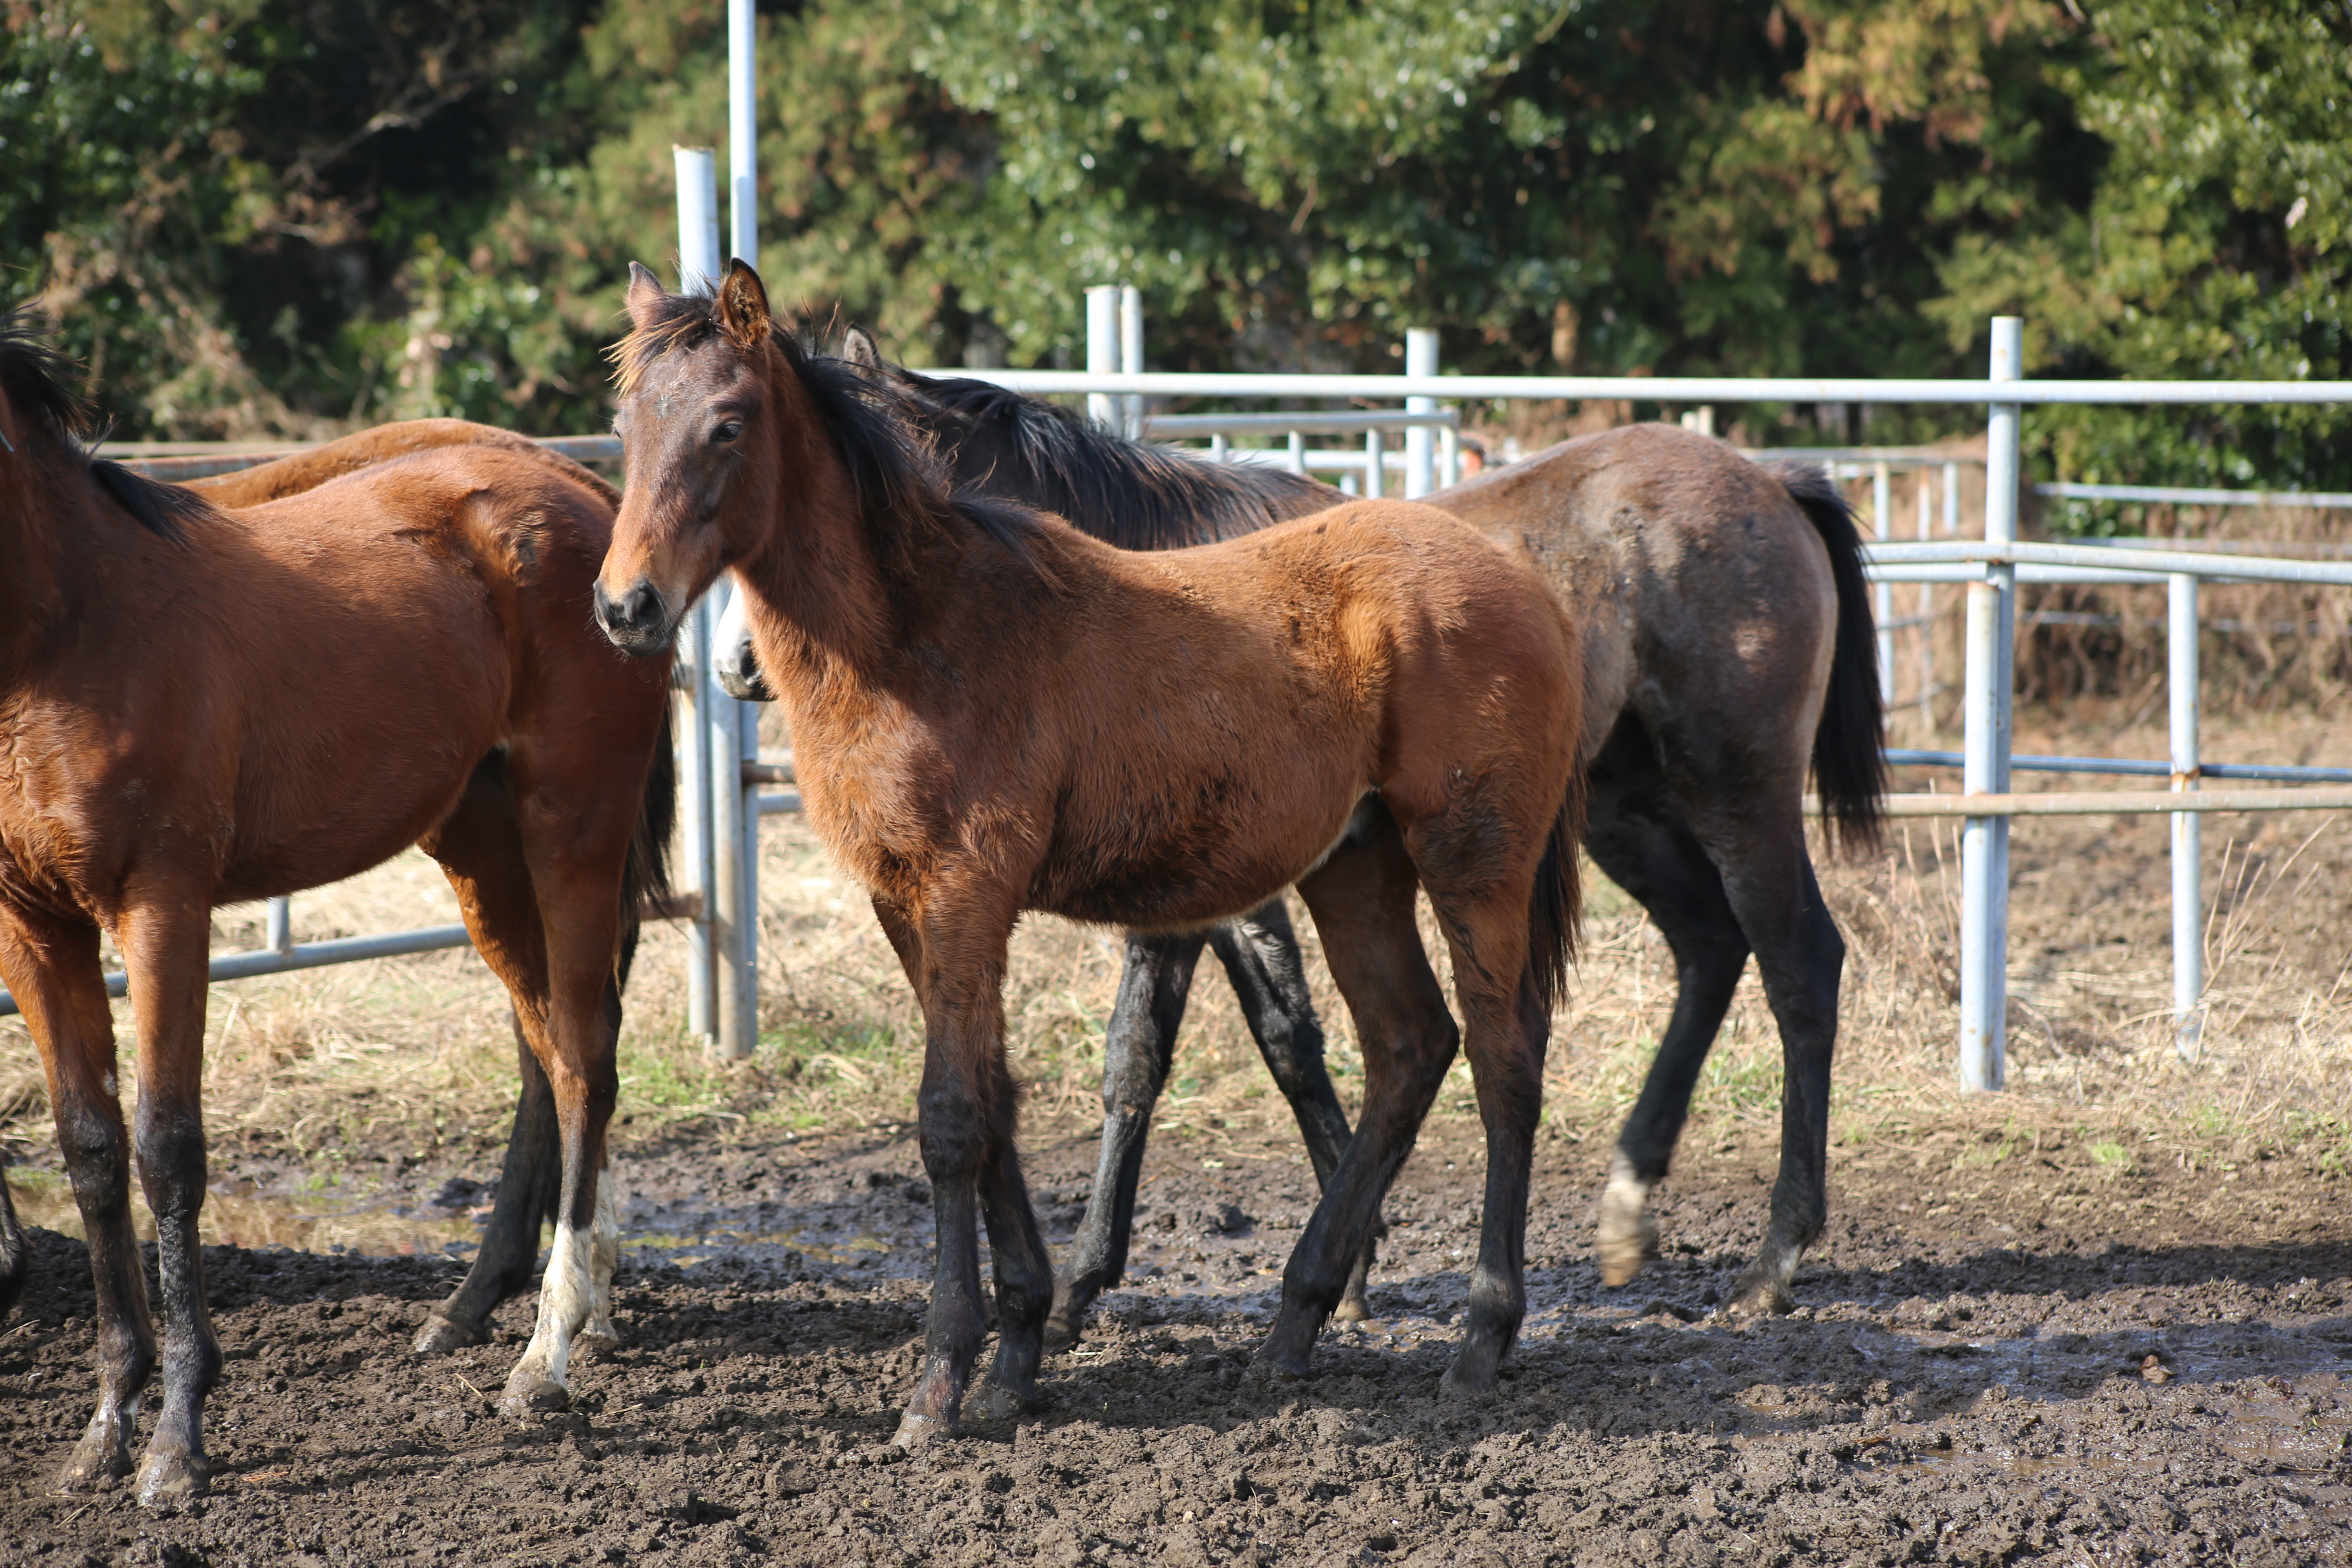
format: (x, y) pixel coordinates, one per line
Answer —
(1066, 1324)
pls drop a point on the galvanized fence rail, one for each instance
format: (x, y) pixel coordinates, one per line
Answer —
(724, 780)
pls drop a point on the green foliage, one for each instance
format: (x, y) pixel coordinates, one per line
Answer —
(261, 217)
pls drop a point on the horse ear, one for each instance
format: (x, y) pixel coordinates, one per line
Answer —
(859, 349)
(742, 306)
(646, 295)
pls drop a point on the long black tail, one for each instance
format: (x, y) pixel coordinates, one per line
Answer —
(1556, 905)
(645, 878)
(1850, 746)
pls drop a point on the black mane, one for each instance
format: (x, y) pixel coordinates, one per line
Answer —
(893, 462)
(38, 378)
(1130, 494)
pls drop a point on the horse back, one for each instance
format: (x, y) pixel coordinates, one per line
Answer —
(300, 471)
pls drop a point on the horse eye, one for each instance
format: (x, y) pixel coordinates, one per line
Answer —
(726, 432)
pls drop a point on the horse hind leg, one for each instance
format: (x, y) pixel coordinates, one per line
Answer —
(16, 1256)
(1260, 952)
(1656, 859)
(479, 847)
(1024, 1276)
(1362, 903)
(1137, 1049)
(58, 982)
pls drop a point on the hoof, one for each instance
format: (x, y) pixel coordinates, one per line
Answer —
(998, 1402)
(167, 1480)
(529, 1394)
(1351, 1310)
(1461, 1382)
(95, 1465)
(441, 1335)
(1063, 1331)
(594, 1342)
(1626, 1254)
(1282, 1367)
(1757, 1296)
(920, 1431)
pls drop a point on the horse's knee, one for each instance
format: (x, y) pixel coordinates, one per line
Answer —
(97, 1158)
(954, 1134)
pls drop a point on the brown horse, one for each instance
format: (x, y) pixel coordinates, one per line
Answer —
(992, 712)
(306, 470)
(1727, 648)
(200, 707)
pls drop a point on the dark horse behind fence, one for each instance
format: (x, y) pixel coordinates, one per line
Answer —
(201, 707)
(1367, 702)
(1728, 647)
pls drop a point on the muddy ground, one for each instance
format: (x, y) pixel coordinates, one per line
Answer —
(2004, 1353)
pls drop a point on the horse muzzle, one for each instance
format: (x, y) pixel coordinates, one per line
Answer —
(638, 622)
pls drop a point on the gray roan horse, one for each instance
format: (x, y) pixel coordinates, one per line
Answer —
(1728, 649)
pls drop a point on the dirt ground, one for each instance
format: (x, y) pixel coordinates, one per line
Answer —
(2003, 1353)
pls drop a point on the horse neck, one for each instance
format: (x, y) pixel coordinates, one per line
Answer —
(819, 589)
(40, 509)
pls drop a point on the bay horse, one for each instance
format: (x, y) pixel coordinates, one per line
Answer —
(296, 472)
(200, 707)
(992, 712)
(1728, 646)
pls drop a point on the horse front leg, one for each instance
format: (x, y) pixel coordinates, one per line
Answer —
(53, 970)
(529, 1185)
(954, 952)
(1137, 1049)
(164, 934)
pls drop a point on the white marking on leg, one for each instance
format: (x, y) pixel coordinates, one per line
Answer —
(564, 1300)
(604, 1257)
(1628, 1237)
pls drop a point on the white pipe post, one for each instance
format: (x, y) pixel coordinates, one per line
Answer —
(1375, 481)
(691, 727)
(1102, 352)
(1449, 457)
(1926, 613)
(743, 129)
(2188, 892)
(1130, 354)
(1984, 840)
(734, 810)
(280, 925)
(1882, 518)
(733, 908)
(697, 220)
(1419, 467)
(701, 698)
(1298, 449)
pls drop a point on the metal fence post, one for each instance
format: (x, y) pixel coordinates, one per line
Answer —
(1419, 467)
(1984, 840)
(280, 925)
(698, 259)
(1882, 517)
(1130, 354)
(1102, 352)
(733, 914)
(743, 129)
(2188, 892)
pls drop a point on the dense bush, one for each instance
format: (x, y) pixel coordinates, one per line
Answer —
(279, 216)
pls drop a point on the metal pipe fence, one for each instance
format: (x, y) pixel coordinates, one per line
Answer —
(722, 776)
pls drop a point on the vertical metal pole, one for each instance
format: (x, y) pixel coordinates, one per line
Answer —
(744, 130)
(1102, 352)
(2188, 892)
(1927, 614)
(1375, 481)
(1882, 518)
(280, 925)
(747, 897)
(1449, 456)
(1420, 359)
(1130, 355)
(699, 695)
(1220, 445)
(1297, 453)
(1984, 840)
(697, 220)
(735, 996)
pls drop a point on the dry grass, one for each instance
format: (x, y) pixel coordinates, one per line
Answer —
(418, 1051)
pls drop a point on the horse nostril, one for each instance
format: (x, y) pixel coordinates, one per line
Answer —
(643, 607)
